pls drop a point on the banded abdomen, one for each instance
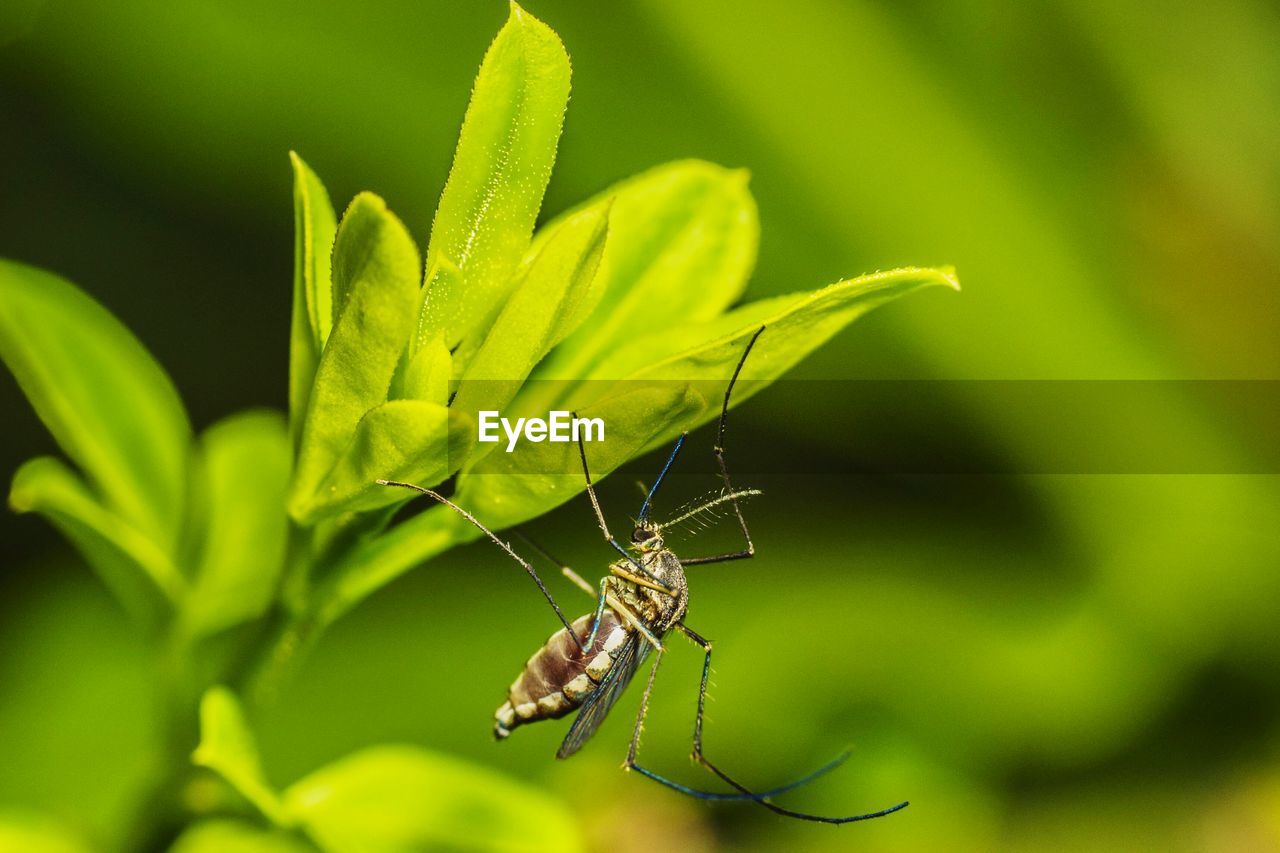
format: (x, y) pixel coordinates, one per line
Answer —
(560, 676)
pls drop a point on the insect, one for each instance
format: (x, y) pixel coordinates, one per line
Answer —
(588, 664)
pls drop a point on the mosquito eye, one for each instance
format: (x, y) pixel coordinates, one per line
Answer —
(640, 535)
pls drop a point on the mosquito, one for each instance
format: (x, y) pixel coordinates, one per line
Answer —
(588, 664)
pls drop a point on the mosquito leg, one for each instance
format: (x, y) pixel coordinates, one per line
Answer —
(525, 564)
(750, 550)
(616, 605)
(762, 799)
(596, 595)
(619, 571)
(637, 623)
(600, 596)
(634, 748)
(630, 763)
(578, 580)
(595, 505)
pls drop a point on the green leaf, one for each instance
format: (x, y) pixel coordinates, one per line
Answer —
(500, 171)
(556, 292)
(678, 388)
(397, 798)
(28, 832)
(427, 376)
(244, 463)
(111, 408)
(404, 440)
(508, 488)
(375, 273)
(376, 562)
(313, 232)
(227, 747)
(797, 324)
(672, 393)
(682, 243)
(232, 836)
(129, 562)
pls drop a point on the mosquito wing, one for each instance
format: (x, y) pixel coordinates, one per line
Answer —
(597, 706)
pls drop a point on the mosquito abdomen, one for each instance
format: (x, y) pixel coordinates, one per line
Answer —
(560, 675)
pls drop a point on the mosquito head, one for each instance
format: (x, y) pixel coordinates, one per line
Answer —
(646, 537)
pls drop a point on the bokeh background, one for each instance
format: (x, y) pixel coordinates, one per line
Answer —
(1021, 549)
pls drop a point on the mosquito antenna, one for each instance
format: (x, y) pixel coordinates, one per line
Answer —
(595, 505)
(644, 508)
(730, 497)
(542, 552)
(724, 408)
(528, 567)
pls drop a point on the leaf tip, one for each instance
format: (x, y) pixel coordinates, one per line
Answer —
(949, 277)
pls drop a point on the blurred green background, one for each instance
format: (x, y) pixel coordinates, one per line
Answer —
(1041, 654)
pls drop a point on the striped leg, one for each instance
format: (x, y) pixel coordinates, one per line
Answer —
(744, 794)
(601, 597)
(762, 799)
(595, 504)
(493, 537)
(750, 550)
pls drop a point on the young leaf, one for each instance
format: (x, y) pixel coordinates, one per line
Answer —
(797, 324)
(554, 294)
(313, 231)
(682, 243)
(427, 376)
(500, 171)
(227, 747)
(671, 393)
(375, 272)
(505, 489)
(244, 463)
(129, 562)
(376, 562)
(677, 391)
(111, 408)
(389, 799)
(233, 836)
(29, 832)
(638, 417)
(403, 440)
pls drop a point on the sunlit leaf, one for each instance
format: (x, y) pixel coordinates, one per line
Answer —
(397, 798)
(230, 836)
(227, 747)
(427, 376)
(399, 440)
(508, 488)
(375, 272)
(673, 392)
(378, 561)
(28, 832)
(557, 290)
(500, 171)
(673, 382)
(313, 231)
(111, 408)
(135, 569)
(244, 462)
(682, 242)
(796, 325)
